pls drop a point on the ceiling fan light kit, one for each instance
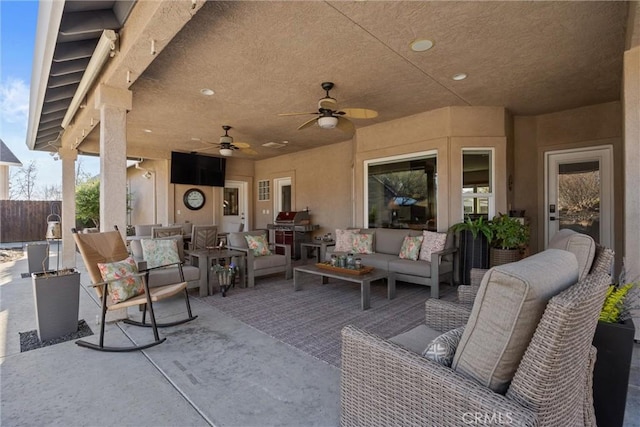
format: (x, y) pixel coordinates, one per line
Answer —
(227, 152)
(328, 115)
(327, 122)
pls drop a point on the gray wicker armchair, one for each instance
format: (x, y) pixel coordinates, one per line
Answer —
(383, 384)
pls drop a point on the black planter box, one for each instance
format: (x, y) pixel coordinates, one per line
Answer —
(473, 253)
(614, 342)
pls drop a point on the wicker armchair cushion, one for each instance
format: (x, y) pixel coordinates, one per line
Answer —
(416, 340)
(443, 348)
(583, 247)
(506, 311)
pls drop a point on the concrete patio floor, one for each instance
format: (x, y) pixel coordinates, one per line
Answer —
(213, 371)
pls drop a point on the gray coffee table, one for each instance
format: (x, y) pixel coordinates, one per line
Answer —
(364, 280)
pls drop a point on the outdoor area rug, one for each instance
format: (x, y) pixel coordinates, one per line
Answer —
(311, 319)
(30, 341)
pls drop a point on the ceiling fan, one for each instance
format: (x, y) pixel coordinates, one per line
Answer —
(330, 117)
(226, 146)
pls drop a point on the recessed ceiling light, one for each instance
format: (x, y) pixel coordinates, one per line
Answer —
(207, 92)
(459, 76)
(147, 130)
(421, 45)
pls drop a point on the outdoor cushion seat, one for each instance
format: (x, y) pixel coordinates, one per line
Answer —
(257, 266)
(407, 266)
(390, 382)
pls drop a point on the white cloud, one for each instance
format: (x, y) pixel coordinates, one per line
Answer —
(14, 101)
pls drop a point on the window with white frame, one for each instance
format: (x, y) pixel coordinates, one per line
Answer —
(477, 182)
(401, 192)
(264, 192)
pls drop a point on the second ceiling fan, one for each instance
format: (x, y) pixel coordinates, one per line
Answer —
(329, 116)
(226, 146)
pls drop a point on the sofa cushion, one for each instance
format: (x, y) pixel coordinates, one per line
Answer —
(431, 242)
(258, 244)
(274, 260)
(125, 284)
(378, 260)
(443, 347)
(171, 275)
(581, 245)
(159, 252)
(506, 312)
(410, 267)
(344, 239)
(410, 248)
(145, 229)
(362, 243)
(389, 240)
(237, 239)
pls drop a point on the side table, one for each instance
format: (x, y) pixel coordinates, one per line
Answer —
(205, 259)
(319, 246)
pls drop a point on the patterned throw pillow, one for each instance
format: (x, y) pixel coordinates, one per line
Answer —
(362, 243)
(411, 247)
(344, 239)
(128, 286)
(432, 242)
(443, 348)
(258, 244)
(159, 252)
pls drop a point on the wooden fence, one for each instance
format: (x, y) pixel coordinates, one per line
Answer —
(25, 220)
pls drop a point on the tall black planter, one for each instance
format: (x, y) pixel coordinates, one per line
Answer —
(474, 253)
(614, 342)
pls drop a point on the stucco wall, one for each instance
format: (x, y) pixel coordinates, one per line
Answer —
(578, 128)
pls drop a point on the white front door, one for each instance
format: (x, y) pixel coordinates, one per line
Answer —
(579, 192)
(234, 206)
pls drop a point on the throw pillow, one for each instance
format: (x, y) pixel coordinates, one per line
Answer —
(443, 348)
(258, 244)
(411, 247)
(431, 242)
(159, 252)
(344, 239)
(125, 285)
(362, 243)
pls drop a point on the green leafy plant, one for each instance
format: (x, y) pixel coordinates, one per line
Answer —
(508, 233)
(475, 227)
(616, 304)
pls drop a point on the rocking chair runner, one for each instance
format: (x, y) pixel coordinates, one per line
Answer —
(109, 247)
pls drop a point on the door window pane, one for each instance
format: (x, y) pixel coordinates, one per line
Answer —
(402, 193)
(231, 202)
(579, 197)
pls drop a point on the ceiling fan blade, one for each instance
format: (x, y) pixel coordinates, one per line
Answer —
(296, 114)
(211, 147)
(308, 123)
(359, 113)
(249, 151)
(345, 125)
(242, 144)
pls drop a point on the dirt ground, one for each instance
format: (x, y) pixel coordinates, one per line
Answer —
(7, 255)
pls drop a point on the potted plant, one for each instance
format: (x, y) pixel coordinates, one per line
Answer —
(474, 236)
(226, 276)
(510, 237)
(57, 296)
(614, 338)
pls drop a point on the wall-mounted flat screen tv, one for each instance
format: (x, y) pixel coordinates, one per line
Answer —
(196, 169)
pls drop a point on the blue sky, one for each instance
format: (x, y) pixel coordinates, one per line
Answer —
(18, 20)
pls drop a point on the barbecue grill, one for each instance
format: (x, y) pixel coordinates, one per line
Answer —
(292, 228)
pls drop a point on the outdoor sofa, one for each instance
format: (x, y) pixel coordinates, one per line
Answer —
(381, 247)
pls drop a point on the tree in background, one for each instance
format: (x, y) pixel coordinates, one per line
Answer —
(88, 201)
(22, 182)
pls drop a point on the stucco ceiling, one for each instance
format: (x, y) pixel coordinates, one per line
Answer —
(265, 58)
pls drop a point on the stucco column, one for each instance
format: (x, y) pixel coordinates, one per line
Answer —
(4, 182)
(113, 104)
(631, 105)
(68, 157)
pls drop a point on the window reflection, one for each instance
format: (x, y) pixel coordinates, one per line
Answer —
(230, 202)
(402, 193)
